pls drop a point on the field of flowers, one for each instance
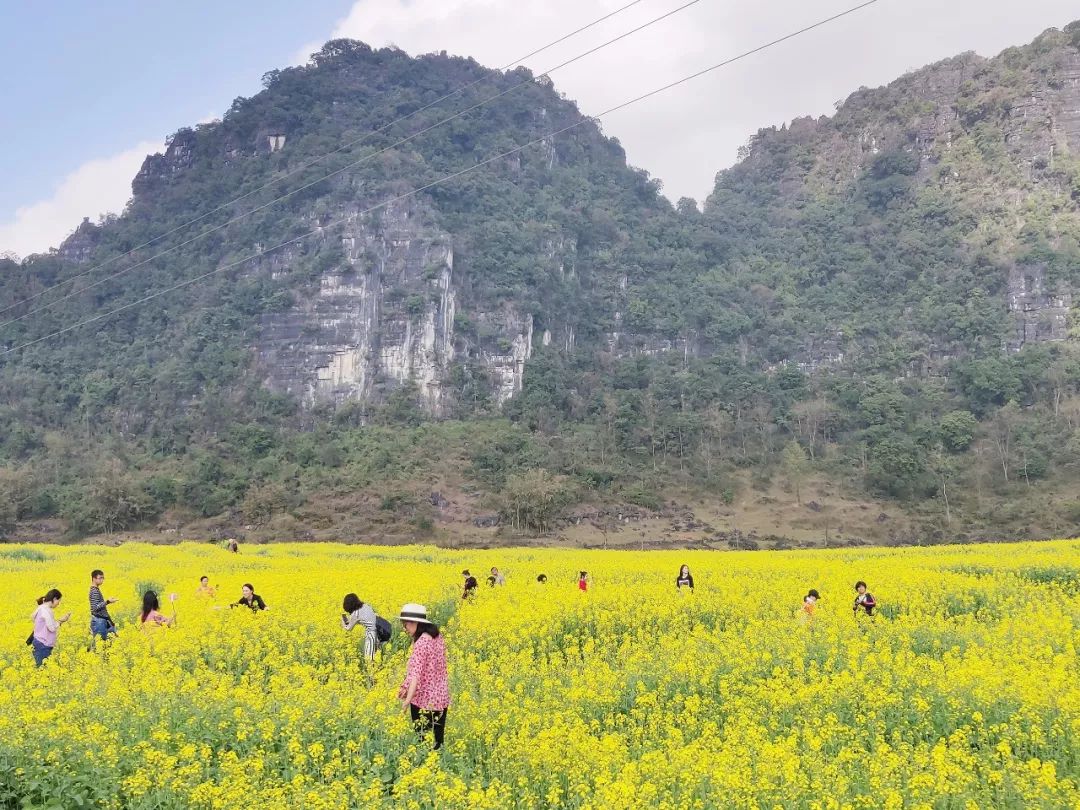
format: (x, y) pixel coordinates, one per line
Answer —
(963, 693)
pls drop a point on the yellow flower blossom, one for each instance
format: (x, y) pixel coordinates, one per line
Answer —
(961, 692)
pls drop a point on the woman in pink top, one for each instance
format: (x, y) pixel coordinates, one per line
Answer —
(152, 617)
(46, 625)
(425, 693)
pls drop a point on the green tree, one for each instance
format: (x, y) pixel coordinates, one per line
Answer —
(958, 430)
(532, 500)
(795, 465)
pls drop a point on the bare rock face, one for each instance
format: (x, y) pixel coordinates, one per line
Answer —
(384, 315)
(1040, 314)
(157, 170)
(79, 247)
(1041, 120)
(1029, 98)
(384, 318)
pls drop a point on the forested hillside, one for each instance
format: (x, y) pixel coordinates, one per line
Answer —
(873, 308)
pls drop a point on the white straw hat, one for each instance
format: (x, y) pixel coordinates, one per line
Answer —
(413, 612)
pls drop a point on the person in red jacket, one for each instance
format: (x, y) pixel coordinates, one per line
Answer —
(583, 581)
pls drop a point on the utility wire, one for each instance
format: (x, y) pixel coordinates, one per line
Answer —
(447, 178)
(347, 166)
(343, 148)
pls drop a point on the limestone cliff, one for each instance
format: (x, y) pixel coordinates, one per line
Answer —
(973, 163)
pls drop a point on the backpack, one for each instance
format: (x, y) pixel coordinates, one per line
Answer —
(383, 629)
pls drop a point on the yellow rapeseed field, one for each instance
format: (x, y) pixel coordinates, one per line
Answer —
(964, 692)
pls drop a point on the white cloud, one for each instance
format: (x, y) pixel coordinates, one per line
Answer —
(683, 136)
(96, 187)
(686, 135)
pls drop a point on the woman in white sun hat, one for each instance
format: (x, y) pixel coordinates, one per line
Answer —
(425, 692)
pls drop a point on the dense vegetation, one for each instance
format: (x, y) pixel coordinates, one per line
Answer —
(837, 312)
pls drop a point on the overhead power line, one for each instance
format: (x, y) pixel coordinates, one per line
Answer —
(447, 178)
(315, 161)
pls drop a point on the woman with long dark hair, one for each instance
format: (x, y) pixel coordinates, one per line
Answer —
(685, 579)
(152, 617)
(425, 692)
(358, 612)
(46, 625)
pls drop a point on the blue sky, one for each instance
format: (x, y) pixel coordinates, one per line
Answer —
(86, 79)
(88, 89)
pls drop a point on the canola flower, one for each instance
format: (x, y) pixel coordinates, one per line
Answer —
(962, 692)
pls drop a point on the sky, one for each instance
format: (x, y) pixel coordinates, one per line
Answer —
(89, 89)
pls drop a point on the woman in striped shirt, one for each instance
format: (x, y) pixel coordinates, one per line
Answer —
(357, 612)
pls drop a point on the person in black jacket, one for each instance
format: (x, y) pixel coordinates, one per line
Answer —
(250, 599)
(864, 600)
(684, 579)
(470, 584)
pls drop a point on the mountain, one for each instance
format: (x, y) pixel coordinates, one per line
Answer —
(874, 307)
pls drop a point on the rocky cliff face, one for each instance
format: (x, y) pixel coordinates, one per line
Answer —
(922, 114)
(1039, 314)
(982, 154)
(385, 317)
(80, 246)
(563, 246)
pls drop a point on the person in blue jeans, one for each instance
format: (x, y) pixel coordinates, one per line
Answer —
(46, 626)
(101, 623)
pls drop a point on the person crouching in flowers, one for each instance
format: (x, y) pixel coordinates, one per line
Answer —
(470, 584)
(151, 617)
(425, 692)
(46, 625)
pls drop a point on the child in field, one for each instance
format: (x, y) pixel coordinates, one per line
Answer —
(152, 618)
(357, 612)
(864, 600)
(684, 579)
(425, 692)
(583, 581)
(496, 577)
(46, 626)
(809, 605)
